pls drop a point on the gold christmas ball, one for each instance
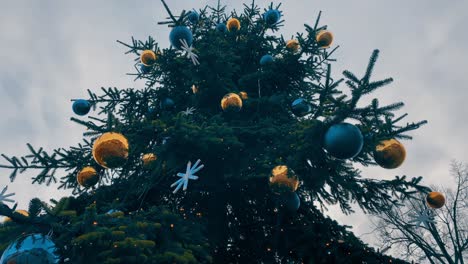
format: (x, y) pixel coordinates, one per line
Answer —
(243, 95)
(292, 45)
(110, 150)
(148, 57)
(20, 211)
(148, 159)
(435, 200)
(282, 178)
(233, 24)
(87, 177)
(231, 102)
(390, 154)
(324, 38)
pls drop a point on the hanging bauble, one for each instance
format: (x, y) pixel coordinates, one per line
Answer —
(231, 102)
(110, 150)
(233, 24)
(324, 38)
(193, 17)
(435, 200)
(167, 104)
(148, 57)
(283, 179)
(292, 45)
(343, 141)
(81, 107)
(272, 16)
(221, 27)
(300, 107)
(148, 159)
(20, 211)
(34, 248)
(266, 59)
(390, 154)
(178, 34)
(289, 201)
(243, 95)
(145, 69)
(87, 177)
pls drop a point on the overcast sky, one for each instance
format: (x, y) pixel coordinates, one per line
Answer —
(52, 51)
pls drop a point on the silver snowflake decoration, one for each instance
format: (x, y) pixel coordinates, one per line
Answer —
(422, 217)
(189, 50)
(4, 197)
(188, 175)
(189, 111)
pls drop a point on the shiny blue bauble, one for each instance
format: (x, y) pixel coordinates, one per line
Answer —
(81, 107)
(179, 33)
(300, 107)
(35, 248)
(193, 17)
(167, 104)
(343, 141)
(266, 59)
(221, 27)
(289, 201)
(272, 16)
(145, 69)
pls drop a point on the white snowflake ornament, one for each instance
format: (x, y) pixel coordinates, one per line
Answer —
(422, 217)
(188, 175)
(189, 50)
(189, 111)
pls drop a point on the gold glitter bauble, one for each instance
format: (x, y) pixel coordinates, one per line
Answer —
(233, 24)
(243, 95)
(148, 159)
(20, 211)
(435, 200)
(87, 177)
(283, 179)
(231, 102)
(324, 38)
(110, 150)
(390, 154)
(148, 57)
(292, 45)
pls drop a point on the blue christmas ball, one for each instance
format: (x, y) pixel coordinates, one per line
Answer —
(193, 17)
(266, 59)
(343, 141)
(300, 107)
(81, 107)
(221, 27)
(179, 33)
(167, 104)
(289, 201)
(145, 69)
(35, 248)
(272, 16)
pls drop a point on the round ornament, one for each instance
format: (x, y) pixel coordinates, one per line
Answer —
(435, 200)
(231, 102)
(148, 57)
(34, 248)
(390, 154)
(20, 211)
(289, 201)
(300, 107)
(243, 95)
(81, 107)
(272, 16)
(193, 17)
(292, 45)
(180, 33)
(221, 27)
(266, 59)
(110, 150)
(324, 38)
(167, 104)
(87, 177)
(233, 24)
(148, 159)
(343, 141)
(145, 69)
(283, 179)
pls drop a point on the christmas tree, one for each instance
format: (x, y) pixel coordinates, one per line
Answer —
(264, 132)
